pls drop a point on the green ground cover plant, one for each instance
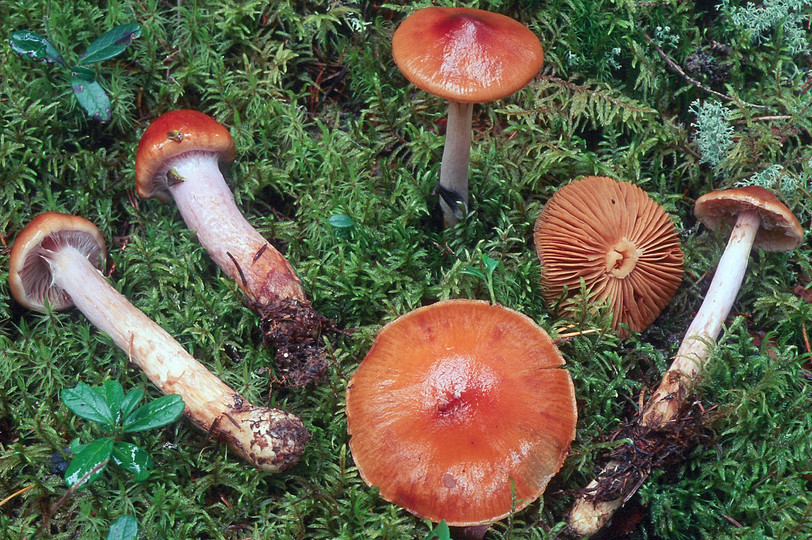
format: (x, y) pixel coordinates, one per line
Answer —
(337, 163)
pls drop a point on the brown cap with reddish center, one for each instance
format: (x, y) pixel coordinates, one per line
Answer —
(171, 135)
(779, 231)
(615, 237)
(29, 274)
(466, 55)
(455, 405)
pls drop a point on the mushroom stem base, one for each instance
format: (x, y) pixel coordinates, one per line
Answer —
(295, 330)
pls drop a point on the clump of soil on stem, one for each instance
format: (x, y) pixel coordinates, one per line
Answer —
(650, 449)
(295, 330)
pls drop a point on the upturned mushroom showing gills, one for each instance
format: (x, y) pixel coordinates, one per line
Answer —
(178, 157)
(618, 240)
(757, 218)
(56, 263)
(461, 411)
(466, 56)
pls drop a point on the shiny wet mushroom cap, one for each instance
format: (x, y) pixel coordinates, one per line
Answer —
(466, 55)
(618, 240)
(457, 404)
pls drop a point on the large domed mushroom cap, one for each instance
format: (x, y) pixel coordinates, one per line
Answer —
(615, 237)
(466, 55)
(455, 405)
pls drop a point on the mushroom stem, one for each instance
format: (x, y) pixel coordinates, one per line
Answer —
(269, 439)
(207, 206)
(588, 515)
(456, 154)
(706, 326)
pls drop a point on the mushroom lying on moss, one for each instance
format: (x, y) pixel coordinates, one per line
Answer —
(178, 158)
(758, 219)
(461, 411)
(55, 263)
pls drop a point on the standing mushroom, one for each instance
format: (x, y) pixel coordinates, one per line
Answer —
(55, 263)
(758, 219)
(618, 240)
(466, 56)
(178, 157)
(456, 405)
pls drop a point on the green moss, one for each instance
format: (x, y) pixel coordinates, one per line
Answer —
(325, 124)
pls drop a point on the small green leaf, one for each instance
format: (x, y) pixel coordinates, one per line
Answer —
(470, 270)
(92, 98)
(131, 401)
(34, 46)
(88, 404)
(132, 458)
(124, 528)
(93, 456)
(341, 221)
(490, 264)
(158, 413)
(439, 532)
(76, 447)
(111, 43)
(113, 393)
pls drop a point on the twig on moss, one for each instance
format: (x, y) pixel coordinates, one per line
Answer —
(673, 65)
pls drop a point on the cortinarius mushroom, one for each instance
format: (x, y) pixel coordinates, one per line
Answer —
(466, 56)
(455, 405)
(757, 218)
(618, 240)
(56, 261)
(178, 157)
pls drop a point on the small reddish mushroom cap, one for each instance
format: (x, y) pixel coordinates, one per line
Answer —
(172, 135)
(618, 240)
(29, 274)
(457, 403)
(466, 55)
(780, 229)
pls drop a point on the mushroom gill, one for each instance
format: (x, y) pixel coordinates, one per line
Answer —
(615, 237)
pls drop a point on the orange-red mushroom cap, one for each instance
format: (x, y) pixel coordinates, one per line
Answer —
(455, 404)
(465, 54)
(29, 274)
(779, 230)
(172, 135)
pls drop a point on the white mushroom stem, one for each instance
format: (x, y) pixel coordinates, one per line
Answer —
(588, 516)
(269, 439)
(207, 206)
(456, 155)
(695, 348)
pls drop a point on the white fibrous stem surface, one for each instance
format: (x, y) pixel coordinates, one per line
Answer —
(260, 435)
(207, 206)
(695, 348)
(588, 516)
(456, 155)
